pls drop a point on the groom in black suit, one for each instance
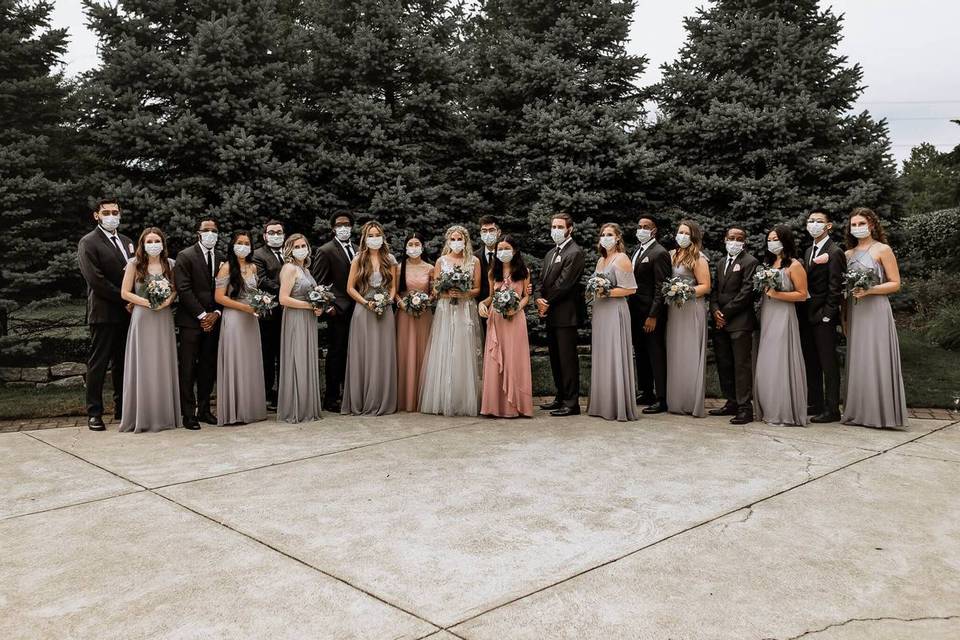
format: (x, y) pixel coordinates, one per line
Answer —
(103, 255)
(819, 318)
(198, 321)
(269, 260)
(331, 266)
(561, 302)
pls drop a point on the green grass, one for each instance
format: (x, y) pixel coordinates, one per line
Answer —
(44, 403)
(930, 374)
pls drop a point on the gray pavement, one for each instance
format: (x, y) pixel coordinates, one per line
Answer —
(414, 526)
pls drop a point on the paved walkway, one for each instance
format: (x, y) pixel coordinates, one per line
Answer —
(414, 526)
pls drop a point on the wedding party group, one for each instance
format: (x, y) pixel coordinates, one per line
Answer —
(450, 337)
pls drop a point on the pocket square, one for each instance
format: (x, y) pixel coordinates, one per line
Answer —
(736, 267)
(645, 260)
(822, 259)
(557, 260)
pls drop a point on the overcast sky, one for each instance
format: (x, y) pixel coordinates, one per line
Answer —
(908, 50)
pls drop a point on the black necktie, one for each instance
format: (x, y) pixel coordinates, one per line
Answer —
(116, 243)
(210, 263)
(349, 248)
(277, 254)
(729, 262)
(489, 257)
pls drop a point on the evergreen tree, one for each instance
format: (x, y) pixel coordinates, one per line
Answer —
(931, 179)
(756, 116)
(36, 191)
(196, 110)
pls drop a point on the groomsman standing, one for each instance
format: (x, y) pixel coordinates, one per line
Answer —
(731, 304)
(819, 317)
(561, 303)
(103, 255)
(269, 260)
(489, 235)
(648, 315)
(197, 319)
(331, 266)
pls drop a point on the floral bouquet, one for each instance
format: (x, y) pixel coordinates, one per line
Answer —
(765, 278)
(506, 302)
(321, 297)
(859, 278)
(157, 290)
(380, 300)
(677, 291)
(415, 303)
(261, 301)
(598, 286)
(455, 280)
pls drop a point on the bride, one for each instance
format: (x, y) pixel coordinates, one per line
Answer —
(451, 372)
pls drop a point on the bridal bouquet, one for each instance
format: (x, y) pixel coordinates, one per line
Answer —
(380, 300)
(859, 278)
(506, 301)
(321, 297)
(415, 303)
(598, 286)
(765, 278)
(677, 291)
(261, 301)
(456, 279)
(157, 290)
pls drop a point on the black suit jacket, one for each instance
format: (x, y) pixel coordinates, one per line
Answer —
(268, 270)
(102, 266)
(732, 293)
(195, 286)
(330, 266)
(560, 285)
(484, 273)
(825, 284)
(651, 270)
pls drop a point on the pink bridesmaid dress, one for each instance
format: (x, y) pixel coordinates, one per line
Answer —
(413, 335)
(507, 382)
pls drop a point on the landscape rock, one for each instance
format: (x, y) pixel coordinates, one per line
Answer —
(10, 374)
(65, 369)
(73, 382)
(35, 374)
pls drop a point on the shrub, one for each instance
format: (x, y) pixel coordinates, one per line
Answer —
(944, 328)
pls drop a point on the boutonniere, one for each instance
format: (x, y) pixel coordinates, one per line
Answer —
(645, 259)
(823, 258)
(557, 260)
(130, 248)
(736, 267)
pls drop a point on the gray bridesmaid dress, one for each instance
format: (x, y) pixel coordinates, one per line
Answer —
(240, 389)
(613, 384)
(370, 382)
(298, 392)
(875, 395)
(151, 388)
(780, 376)
(687, 352)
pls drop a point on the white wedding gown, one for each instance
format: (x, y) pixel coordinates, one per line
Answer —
(450, 382)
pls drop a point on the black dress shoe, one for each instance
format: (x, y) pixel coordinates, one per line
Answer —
(566, 411)
(660, 407)
(191, 423)
(825, 418)
(646, 399)
(207, 417)
(551, 406)
(725, 410)
(742, 418)
(95, 423)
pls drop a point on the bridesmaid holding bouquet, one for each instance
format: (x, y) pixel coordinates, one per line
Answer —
(413, 322)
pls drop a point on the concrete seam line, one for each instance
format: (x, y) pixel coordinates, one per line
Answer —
(72, 504)
(881, 619)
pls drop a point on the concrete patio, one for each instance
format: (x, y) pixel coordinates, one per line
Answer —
(414, 526)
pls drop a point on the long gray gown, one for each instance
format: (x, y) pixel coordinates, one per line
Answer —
(298, 392)
(687, 352)
(240, 388)
(780, 377)
(613, 384)
(151, 388)
(370, 382)
(875, 395)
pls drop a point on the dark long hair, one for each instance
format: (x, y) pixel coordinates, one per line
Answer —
(518, 268)
(237, 286)
(416, 235)
(789, 253)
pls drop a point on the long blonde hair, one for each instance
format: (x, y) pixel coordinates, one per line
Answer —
(287, 252)
(691, 255)
(365, 261)
(467, 245)
(617, 232)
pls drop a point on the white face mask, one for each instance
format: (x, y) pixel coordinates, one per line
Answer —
(774, 247)
(488, 238)
(241, 250)
(456, 246)
(300, 253)
(109, 222)
(558, 235)
(343, 233)
(414, 251)
(860, 232)
(607, 242)
(374, 242)
(734, 247)
(153, 248)
(815, 229)
(275, 241)
(683, 240)
(505, 255)
(644, 235)
(208, 239)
